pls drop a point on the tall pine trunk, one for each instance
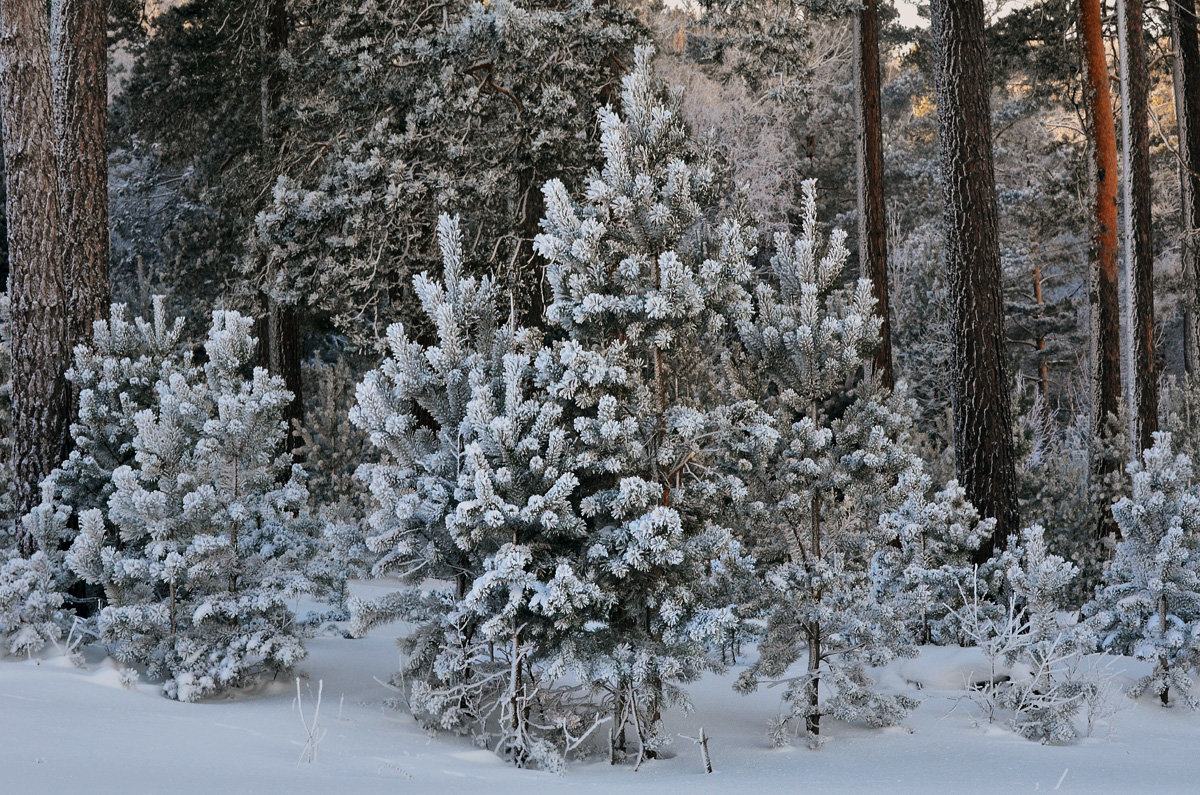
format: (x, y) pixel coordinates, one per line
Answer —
(1186, 74)
(872, 214)
(79, 76)
(980, 388)
(1103, 289)
(281, 332)
(40, 348)
(1139, 253)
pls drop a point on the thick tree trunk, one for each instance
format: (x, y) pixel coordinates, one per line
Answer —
(1103, 290)
(1139, 253)
(280, 339)
(983, 442)
(41, 354)
(872, 214)
(79, 75)
(1186, 74)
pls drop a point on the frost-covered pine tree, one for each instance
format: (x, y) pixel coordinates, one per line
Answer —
(30, 603)
(476, 495)
(929, 573)
(116, 376)
(211, 527)
(414, 409)
(835, 462)
(1068, 477)
(644, 289)
(1038, 579)
(1149, 605)
(1047, 684)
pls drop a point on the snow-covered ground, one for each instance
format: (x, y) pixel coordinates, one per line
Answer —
(64, 728)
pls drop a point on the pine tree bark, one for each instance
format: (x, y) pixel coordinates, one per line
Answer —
(286, 353)
(79, 78)
(41, 354)
(1186, 78)
(980, 388)
(529, 271)
(4, 230)
(872, 213)
(1139, 253)
(1103, 291)
(282, 329)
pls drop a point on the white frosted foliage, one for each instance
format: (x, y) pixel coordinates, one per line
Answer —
(212, 531)
(648, 278)
(474, 488)
(837, 513)
(1149, 604)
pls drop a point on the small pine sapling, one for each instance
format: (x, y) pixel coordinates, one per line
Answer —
(1068, 478)
(116, 376)
(30, 604)
(929, 569)
(1045, 704)
(475, 491)
(835, 462)
(1047, 684)
(1149, 604)
(211, 527)
(645, 287)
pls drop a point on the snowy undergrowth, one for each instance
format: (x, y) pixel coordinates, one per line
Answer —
(60, 729)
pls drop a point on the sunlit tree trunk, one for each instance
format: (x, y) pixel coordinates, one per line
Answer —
(1103, 290)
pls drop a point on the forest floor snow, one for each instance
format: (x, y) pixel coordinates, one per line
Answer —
(76, 729)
